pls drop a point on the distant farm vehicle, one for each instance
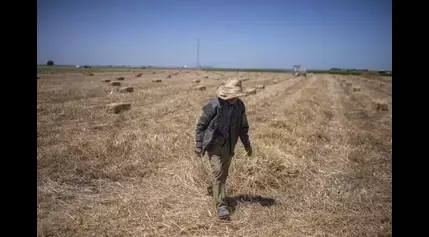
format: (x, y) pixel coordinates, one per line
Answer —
(297, 71)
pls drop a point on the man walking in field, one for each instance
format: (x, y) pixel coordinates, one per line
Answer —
(222, 122)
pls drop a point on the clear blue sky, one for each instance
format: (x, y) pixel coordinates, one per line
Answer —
(318, 34)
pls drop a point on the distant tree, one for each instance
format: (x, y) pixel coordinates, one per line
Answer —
(50, 63)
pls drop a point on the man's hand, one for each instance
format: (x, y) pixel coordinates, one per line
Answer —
(249, 150)
(198, 151)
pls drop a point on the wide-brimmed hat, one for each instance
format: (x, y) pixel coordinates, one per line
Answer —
(231, 89)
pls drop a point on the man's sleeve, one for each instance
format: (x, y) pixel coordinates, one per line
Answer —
(208, 113)
(244, 131)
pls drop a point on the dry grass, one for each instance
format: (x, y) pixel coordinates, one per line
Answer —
(250, 91)
(200, 88)
(320, 151)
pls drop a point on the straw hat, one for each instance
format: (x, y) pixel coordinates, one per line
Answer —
(231, 89)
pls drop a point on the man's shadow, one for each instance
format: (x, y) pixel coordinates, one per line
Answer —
(239, 200)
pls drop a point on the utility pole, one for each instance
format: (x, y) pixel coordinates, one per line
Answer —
(198, 53)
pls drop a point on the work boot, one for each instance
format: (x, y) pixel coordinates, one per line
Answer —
(223, 212)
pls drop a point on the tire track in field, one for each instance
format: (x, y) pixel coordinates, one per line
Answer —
(336, 184)
(275, 96)
(370, 177)
(336, 152)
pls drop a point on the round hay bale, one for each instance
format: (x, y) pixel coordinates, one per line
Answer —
(206, 77)
(115, 83)
(196, 81)
(250, 91)
(139, 74)
(120, 78)
(156, 80)
(118, 107)
(260, 86)
(128, 89)
(200, 88)
(380, 106)
(105, 80)
(275, 81)
(355, 89)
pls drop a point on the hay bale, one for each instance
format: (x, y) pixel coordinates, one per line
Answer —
(153, 72)
(355, 89)
(206, 77)
(139, 74)
(126, 89)
(120, 78)
(260, 86)
(118, 107)
(380, 106)
(105, 80)
(196, 81)
(156, 80)
(250, 91)
(90, 74)
(275, 81)
(169, 76)
(200, 88)
(115, 83)
(349, 84)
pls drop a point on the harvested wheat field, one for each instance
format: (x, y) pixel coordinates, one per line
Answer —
(321, 166)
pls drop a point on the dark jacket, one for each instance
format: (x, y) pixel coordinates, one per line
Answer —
(208, 124)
